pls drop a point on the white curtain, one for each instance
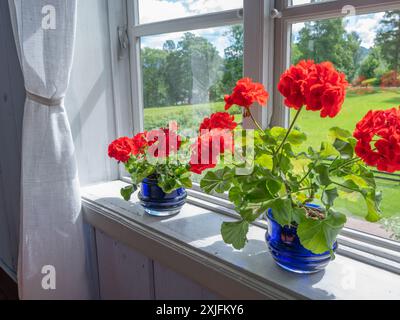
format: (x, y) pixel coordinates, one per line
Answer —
(51, 233)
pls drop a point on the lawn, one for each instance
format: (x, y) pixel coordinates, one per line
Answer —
(357, 104)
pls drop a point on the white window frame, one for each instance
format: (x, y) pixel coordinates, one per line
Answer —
(264, 61)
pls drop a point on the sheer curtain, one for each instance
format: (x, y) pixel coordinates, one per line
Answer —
(52, 251)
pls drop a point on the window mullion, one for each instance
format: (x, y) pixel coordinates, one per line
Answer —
(136, 73)
(258, 53)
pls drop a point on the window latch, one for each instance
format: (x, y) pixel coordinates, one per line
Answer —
(276, 14)
(123, 42)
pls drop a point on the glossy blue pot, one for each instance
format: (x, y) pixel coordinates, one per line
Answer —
(286, 249)
(158, 203)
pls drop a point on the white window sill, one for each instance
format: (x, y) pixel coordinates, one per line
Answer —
(190, 243)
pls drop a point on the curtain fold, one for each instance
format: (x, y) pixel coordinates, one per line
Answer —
(51, 233)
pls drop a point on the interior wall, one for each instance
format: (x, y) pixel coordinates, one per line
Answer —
(12, 97)
(89, 104)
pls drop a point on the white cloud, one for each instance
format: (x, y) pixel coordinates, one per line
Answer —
(158, 10)
(364, 25)
(214, 35)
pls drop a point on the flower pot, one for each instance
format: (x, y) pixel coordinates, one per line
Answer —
(158, 203)
(287, 251)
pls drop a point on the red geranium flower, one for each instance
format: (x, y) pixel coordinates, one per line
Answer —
(208, 147)
(378, 135)
(246, 93)
(139, 143)
(163, 142)
(219, 120)
(291, 84)
(317, 86)
(121, 149)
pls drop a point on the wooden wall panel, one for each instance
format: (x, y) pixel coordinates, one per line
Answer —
(170, 285)
(123, 272)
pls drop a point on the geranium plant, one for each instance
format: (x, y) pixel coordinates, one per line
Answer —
(153, 154)
(287, 176)
(164, 155)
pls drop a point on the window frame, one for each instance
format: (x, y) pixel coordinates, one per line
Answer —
(266, 57)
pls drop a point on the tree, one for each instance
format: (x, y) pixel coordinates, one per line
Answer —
(153, 69)
(327, 40)
(388, 38)
(370, 64)
(191, 69)
(233, 65)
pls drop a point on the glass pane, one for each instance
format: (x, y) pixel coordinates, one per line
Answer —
(292, 3)
(186, 74)
(160, 10)
(366, 49)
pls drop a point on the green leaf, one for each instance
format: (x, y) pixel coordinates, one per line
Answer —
(282, 211)
(329, 196)
(339, 133)
(219, 181)
(284, 163)
(359, 181)
(127, 192)
(296, 137)
(345, 149)
(328, 151)
(274, 186)
(235, 196)
(258, 194)
(265, 161)
(298, 214)
(319, 236)
(250, 215)
(278, 133)
(235, 233)
(323, 175)
(373, 200)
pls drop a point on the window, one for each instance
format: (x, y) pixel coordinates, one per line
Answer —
(186, 54)
(363, 46)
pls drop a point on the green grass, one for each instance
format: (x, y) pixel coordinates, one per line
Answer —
(357, 104)
(354, 109)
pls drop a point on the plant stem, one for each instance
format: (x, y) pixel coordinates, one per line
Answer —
(254, 120)
(351, 161)
(343, 186)
(305, 177)
(289, 130)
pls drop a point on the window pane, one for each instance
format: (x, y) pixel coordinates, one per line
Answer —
(293, 3)
(186, 74)
(366, 49)
(159, 10)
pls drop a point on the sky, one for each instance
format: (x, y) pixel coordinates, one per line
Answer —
(157, 10)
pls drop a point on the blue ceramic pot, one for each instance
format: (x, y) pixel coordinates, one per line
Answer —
(286, 249)
(158, 203)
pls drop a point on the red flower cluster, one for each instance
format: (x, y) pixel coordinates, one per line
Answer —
(139, 143)
(208, 147)
(246, 93)
(121, 149)
(161, 142)
(320, 87)
(382, 128)
(219, 120)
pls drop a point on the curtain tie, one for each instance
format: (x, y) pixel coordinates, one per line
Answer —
(51, 102)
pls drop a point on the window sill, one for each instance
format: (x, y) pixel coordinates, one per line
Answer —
(190, 243)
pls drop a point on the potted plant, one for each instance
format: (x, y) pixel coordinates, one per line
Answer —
(296, 187)
(161, 161)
